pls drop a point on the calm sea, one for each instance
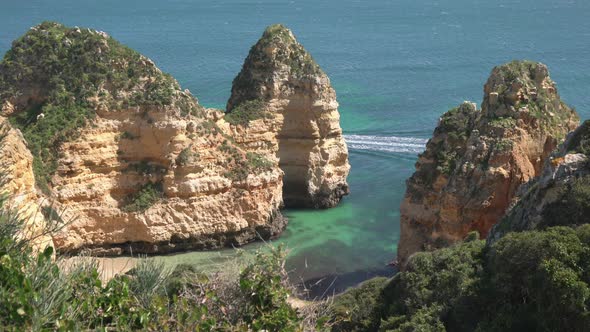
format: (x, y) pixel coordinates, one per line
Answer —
(397, 65)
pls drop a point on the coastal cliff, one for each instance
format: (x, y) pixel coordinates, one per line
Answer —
(477, 159)
(283, 97)
(135, 161)
(18, 183)
(560, 196)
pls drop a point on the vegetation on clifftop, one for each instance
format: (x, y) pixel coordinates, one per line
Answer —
(247, 111)
(457, 125)
(277, 51)
(538, 96)
(517, 69)
(290, 52)
(57, 76)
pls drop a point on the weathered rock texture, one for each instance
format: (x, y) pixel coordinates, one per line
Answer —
(202, 205)
(18, 183)
(477, 159)
(139, 165)
(295, 117)
(560, 196)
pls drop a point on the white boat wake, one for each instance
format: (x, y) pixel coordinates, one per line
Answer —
(386, 143)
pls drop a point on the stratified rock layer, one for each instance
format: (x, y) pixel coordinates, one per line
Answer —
(291, 112)
(203, 206)
(136, 164)
(134, 161)
(477, 159)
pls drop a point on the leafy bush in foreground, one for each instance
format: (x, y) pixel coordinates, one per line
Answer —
(529, 281)
(264, 283)
(40, 294)
(573, 205)
(355, 309)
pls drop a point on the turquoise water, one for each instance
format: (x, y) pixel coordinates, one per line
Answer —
(396, 66)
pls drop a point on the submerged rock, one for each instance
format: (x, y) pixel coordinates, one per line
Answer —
(477, 159)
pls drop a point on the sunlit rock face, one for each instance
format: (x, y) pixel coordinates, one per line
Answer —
(477, 159)
(297, 118)
(560, 196)
(133, 163)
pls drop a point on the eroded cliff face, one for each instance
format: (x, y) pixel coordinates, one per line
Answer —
(202, 204)
(18, 183)
(133, 160)
(560, 196)
(477, 159)
(282, 103)
(136, 164)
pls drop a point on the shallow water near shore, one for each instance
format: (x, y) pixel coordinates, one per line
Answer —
(396, 67)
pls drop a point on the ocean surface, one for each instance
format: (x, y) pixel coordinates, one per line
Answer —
(396, 65)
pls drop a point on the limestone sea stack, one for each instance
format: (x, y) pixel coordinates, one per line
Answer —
(294, 107)
(132, 161)
(477, 159)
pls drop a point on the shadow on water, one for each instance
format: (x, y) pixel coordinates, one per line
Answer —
(331, 284)
(333, 265)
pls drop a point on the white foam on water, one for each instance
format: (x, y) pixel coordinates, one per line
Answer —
(385, 143)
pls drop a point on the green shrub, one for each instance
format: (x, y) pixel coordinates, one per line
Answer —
(143, 199)
(71, 70)
(580, 140)
(516, 69)
(501, 122)
(38, 294)
(572, 206)
(263, 283)
(128, 135)
(529, 281)
(299, 60)
(182, 276)
(247, 111)
(146, 168)
(253, 163)
(457, 125)
(446, 280)
(148, 281)
(504, 145)
(423, 320)
(446, 161)
(536, 282)
(355, 309)
(257, 162)
(186, 156)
